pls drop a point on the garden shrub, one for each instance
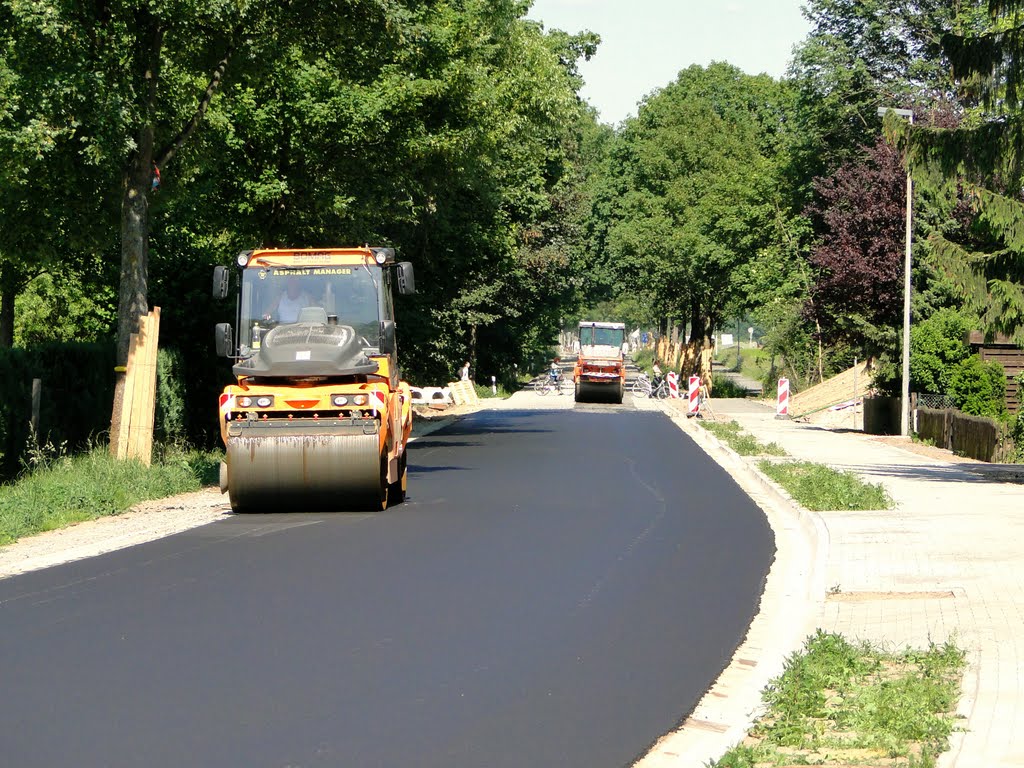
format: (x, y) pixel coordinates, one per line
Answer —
(978, 388)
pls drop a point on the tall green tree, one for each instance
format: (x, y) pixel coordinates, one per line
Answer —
(977, 162)
(694, 194)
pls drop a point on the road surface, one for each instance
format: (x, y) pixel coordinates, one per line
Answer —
(559, 589)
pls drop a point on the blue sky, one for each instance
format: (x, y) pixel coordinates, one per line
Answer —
(645, 43)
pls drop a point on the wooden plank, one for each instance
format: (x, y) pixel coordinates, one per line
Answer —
(119, 447)
(149, 401)
(137, 389)
(144, 395)
(839, 389)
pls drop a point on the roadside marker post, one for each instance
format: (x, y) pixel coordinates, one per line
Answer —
(782, 400)
(693, 407)
(672, 379)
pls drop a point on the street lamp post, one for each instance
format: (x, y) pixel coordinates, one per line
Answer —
(908, 234)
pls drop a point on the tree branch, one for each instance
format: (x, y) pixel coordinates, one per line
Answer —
(168, 152)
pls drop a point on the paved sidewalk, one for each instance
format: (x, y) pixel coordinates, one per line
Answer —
(946, 563)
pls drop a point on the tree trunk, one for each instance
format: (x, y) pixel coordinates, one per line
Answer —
(10, 286)
(132, 300)
(472, 352)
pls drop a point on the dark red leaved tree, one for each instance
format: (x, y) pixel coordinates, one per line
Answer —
(859, 213)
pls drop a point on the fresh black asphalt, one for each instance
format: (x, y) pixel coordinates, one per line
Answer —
(560, 589)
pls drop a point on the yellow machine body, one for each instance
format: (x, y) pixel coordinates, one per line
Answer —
(318, 418)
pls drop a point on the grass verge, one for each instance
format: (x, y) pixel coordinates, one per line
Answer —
(820, 488)
(845, 704)
(66, 490)
(729, 432)
(723, 386)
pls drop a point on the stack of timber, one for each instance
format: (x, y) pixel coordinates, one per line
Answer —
(132, 437)
(850, 385)
(463, 393)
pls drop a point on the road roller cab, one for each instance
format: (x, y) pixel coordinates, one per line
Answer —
(600, 372)
(319, 417)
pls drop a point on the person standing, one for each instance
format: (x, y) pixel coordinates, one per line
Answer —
(464, 372)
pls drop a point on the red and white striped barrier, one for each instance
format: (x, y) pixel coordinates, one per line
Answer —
(693, 408)
(782, 401)
(673, 383)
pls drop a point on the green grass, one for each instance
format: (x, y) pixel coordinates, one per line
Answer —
(820, 488)
(729, 432)
(843, 703)
(723, 387)
(64, 490)
(483, 391)
(754, 361)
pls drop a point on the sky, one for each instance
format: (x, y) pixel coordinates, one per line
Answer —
(645, 43)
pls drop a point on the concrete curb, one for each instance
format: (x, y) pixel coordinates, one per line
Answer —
(793, 594)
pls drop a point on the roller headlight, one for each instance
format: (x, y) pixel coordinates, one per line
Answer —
(264, 401)
(360, 400)
(244, 402)
(339, 400)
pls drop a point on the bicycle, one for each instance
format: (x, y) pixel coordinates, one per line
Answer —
(644, 387)
(548, 385)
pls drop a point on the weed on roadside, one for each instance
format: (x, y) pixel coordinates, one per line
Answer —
(60, 492)
(843, 703)
(730, 432)
(821, 488)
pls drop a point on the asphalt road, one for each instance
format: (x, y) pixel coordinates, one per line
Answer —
(559, 590)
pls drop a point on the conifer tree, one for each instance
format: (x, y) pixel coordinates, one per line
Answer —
(978, 162)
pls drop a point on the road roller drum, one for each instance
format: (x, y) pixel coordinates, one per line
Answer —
(299, 468)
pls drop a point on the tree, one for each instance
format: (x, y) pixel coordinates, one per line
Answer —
(977, 161)
(694, 196)
(859, 213)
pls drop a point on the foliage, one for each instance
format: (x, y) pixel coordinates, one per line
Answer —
(171, 398)
(65, 490)
(977, 162)
(689, 195)
(978, 388)
(452, 130)
(745, 445)
(820, 488)
(76, 391)
(835, 695)
(937, 345)
(66, 306)
(860, 212)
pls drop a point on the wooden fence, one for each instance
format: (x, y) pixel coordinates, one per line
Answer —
(965, 435)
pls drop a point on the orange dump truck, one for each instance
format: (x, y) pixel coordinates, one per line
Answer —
(600, 372)
(318, 417)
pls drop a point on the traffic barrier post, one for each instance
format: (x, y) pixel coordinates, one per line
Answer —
(782, 400)
(693, 407)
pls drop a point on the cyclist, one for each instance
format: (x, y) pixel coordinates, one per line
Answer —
(555, 372)
(657, 374)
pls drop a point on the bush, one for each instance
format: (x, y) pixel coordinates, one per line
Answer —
(723, 387)
(978, 388)
(937, 346)
(77, 396)
(171, 426)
